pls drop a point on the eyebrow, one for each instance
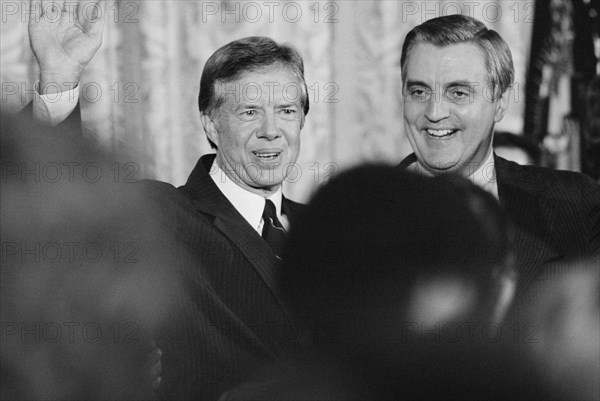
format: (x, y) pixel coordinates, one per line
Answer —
(469, 84)
(416, 83)
(246, 106)
(453, 84)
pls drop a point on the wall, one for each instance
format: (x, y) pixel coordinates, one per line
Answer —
(140, 90)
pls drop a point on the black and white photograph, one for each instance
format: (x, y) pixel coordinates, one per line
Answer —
(241, 200)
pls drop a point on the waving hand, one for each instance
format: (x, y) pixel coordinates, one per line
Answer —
(64, 36)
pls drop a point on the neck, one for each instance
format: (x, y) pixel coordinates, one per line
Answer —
(465, 170)
(265, 192)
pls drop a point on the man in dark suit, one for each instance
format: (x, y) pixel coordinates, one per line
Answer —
(457, 76)
(235, 319)
(226, 224)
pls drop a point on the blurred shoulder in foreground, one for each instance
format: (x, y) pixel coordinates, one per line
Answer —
(83, 285)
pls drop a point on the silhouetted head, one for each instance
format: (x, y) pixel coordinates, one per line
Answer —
(380, 255)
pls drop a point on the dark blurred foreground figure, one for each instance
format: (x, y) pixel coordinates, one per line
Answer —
(82, 291)
(557, 327)
(404, 281)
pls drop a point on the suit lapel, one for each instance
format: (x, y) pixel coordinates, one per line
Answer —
(209, 200)
(520, 195)
(533, 216)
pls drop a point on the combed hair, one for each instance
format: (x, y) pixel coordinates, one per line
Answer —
(455, 29)
(249, 54)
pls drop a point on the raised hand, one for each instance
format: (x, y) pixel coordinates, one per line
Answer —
(64, 36)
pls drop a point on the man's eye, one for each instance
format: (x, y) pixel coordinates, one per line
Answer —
(418, 94)
(289, 113)
(249, 112)
(458, 95)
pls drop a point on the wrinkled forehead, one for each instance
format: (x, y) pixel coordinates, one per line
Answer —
(272, 84)
(455, 62)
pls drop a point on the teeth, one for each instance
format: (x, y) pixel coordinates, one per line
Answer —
(267, 155)
(439, 132)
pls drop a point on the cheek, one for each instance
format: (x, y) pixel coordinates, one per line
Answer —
(411, 110)
(291, 131)
(293, 139)
(235, 147)
(413, 113)
(477, 114)
(243, 136)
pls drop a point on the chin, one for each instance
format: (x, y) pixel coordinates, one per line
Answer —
(273, 180)
(434, 166)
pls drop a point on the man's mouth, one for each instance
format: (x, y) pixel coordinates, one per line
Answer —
(267, 156)
(440, 133)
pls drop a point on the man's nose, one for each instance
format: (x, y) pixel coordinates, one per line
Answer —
(270, 129)
(437, 108)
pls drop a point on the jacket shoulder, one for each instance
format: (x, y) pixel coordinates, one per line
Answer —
(555, 182)
(163, 199)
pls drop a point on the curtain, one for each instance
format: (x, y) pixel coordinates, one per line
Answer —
(139, 93)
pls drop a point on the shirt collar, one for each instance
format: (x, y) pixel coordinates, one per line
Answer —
(485, 176)
(248, 204)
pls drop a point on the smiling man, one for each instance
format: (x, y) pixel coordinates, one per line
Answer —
(457, 75)
(229, 221)
(225, 226)
(450, 111)
(253, 101)
(257, 132)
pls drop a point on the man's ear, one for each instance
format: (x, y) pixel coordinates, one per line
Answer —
(502, 105)
(210, 128)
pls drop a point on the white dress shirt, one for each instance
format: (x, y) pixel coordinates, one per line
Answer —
(55, 107)
(485, 176)
(248, 204)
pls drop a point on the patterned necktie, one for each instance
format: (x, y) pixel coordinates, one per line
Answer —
(273, 232)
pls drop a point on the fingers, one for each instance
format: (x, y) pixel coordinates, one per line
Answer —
(50, 10)
(92, 15)
(100, 18)
(69, 9)
(35, 13)
(46, 4)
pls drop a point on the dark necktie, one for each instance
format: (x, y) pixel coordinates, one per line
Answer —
(273, 232)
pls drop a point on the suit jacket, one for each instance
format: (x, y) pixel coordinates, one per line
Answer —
(233, 320)
(556, 215)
